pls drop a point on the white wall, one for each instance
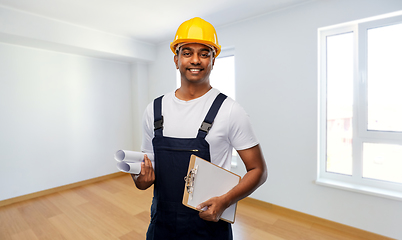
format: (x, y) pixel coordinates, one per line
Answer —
(140, 95)
(62, 118)
(64, 110)
(276, 75)
(162, 72)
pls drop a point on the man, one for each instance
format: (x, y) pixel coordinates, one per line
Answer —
(195, 119)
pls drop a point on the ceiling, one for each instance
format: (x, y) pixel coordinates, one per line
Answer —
(150, 21)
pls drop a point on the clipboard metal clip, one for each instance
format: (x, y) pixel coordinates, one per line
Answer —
(189, 179)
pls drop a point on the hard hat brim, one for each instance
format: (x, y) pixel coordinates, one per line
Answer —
(207, 43)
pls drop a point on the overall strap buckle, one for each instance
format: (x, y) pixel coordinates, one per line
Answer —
(158, 124)
(210, 117)
(205, 127)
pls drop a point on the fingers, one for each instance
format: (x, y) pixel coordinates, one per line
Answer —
(146, 177)
(143, 169)
(209, 215)
(147, 172)
(147, 161)
(146, 166)
(210, 210)
(202, 207)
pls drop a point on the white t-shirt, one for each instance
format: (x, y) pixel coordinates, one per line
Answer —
(182, 119)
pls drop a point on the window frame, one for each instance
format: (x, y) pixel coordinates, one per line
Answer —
(361, 134)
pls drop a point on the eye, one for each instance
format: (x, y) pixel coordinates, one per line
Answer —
(205, 55)
(186, 53)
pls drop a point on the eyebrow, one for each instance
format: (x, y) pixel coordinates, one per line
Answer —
(190, 49)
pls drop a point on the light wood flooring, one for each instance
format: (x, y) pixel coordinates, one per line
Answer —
(115, 209)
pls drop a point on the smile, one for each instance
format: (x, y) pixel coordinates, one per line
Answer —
(195, 70)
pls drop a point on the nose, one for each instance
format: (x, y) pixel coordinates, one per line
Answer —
(195, 59)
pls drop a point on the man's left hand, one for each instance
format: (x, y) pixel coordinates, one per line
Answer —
(212, 209)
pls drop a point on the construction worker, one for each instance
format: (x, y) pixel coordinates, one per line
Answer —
(195, 119)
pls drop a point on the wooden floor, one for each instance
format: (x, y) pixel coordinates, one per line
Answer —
(115, 209)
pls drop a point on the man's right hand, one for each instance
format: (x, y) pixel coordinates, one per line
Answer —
(147, 175)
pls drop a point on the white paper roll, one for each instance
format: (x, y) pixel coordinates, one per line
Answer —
(131, 156)
(130, 161)
(129, 167)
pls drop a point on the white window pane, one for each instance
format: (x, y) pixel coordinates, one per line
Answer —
(384, 78)
(382, 162)
(339, 103)
(223, 75)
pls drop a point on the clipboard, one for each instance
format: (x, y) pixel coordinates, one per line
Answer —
(205, 180)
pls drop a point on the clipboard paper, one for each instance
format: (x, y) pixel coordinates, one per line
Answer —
(205, 180)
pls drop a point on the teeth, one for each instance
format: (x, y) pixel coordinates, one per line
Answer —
(194, 70)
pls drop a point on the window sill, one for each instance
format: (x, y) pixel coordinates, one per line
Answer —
(378, 192)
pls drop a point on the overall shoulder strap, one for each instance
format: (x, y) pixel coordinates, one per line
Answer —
(158, 118)
(209, 119)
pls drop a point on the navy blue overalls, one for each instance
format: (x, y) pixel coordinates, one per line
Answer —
(170, 219)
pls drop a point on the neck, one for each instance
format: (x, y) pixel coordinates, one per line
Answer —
(189, 92)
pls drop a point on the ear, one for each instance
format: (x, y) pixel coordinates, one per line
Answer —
(176, 61)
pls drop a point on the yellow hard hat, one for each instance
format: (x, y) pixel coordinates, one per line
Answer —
(196, 30)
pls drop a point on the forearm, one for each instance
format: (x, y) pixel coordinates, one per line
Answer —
(256, 175)
(247, 185)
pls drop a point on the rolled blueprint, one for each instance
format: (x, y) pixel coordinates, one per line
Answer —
(130, 161)
(129, 167)
(131, 156)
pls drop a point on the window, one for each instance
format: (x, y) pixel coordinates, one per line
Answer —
(360, 110)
